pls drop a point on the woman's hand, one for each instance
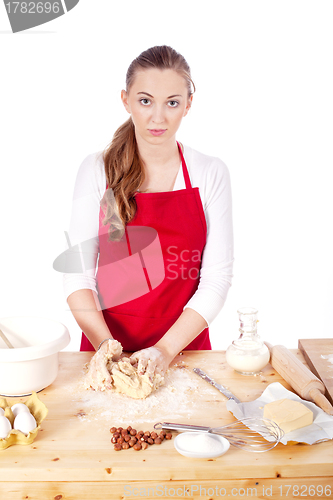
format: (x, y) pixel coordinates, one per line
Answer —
(152, 360)
(98, 376)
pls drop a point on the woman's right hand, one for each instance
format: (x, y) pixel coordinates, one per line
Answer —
(98, 376)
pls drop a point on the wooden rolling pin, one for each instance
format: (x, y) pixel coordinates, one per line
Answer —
(301, 379)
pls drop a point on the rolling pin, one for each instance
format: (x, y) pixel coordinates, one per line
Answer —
(301, 379)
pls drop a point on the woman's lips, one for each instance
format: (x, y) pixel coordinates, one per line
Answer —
(157, 131)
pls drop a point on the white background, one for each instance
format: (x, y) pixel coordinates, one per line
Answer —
(263, 72)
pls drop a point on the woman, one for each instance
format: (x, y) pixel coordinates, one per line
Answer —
(147, 180)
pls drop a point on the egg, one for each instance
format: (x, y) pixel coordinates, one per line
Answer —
(18, 408)
(2, 412)
(25, 422)
(5, 427)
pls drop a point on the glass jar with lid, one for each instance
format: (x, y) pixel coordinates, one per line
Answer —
(248, 354)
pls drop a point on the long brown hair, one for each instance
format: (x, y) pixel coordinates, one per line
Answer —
(124, 168)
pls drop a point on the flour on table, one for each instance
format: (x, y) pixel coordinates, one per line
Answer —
(329, 358)
(176, 399)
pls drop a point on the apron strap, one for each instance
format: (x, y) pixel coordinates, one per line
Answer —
(185, 171)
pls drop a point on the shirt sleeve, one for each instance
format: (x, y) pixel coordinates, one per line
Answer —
(82, 236)
(218, 254)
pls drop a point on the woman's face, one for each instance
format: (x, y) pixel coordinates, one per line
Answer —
(157, 101)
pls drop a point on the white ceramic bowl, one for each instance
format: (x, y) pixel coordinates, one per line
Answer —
(33, 363)
(180, 445)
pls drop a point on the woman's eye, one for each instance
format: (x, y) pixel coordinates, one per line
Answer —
(145, 102)
(173, 104)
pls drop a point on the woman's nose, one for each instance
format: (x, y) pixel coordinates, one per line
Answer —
(158, 114)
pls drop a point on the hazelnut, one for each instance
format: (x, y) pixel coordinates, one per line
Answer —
(123, 439)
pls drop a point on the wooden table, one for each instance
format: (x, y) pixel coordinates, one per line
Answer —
(73, 458)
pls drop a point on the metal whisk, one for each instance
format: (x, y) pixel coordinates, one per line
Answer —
(250, 434)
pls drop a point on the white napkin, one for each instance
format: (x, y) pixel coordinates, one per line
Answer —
(320, 430)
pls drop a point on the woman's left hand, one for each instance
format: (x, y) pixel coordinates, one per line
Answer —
(152, 360)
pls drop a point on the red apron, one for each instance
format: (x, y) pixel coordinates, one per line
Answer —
(178, 219)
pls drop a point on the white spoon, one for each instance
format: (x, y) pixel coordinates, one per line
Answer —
(3, 336)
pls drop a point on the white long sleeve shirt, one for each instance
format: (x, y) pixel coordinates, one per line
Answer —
(212, 178)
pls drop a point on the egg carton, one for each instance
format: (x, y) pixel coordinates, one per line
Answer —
(37, 408)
